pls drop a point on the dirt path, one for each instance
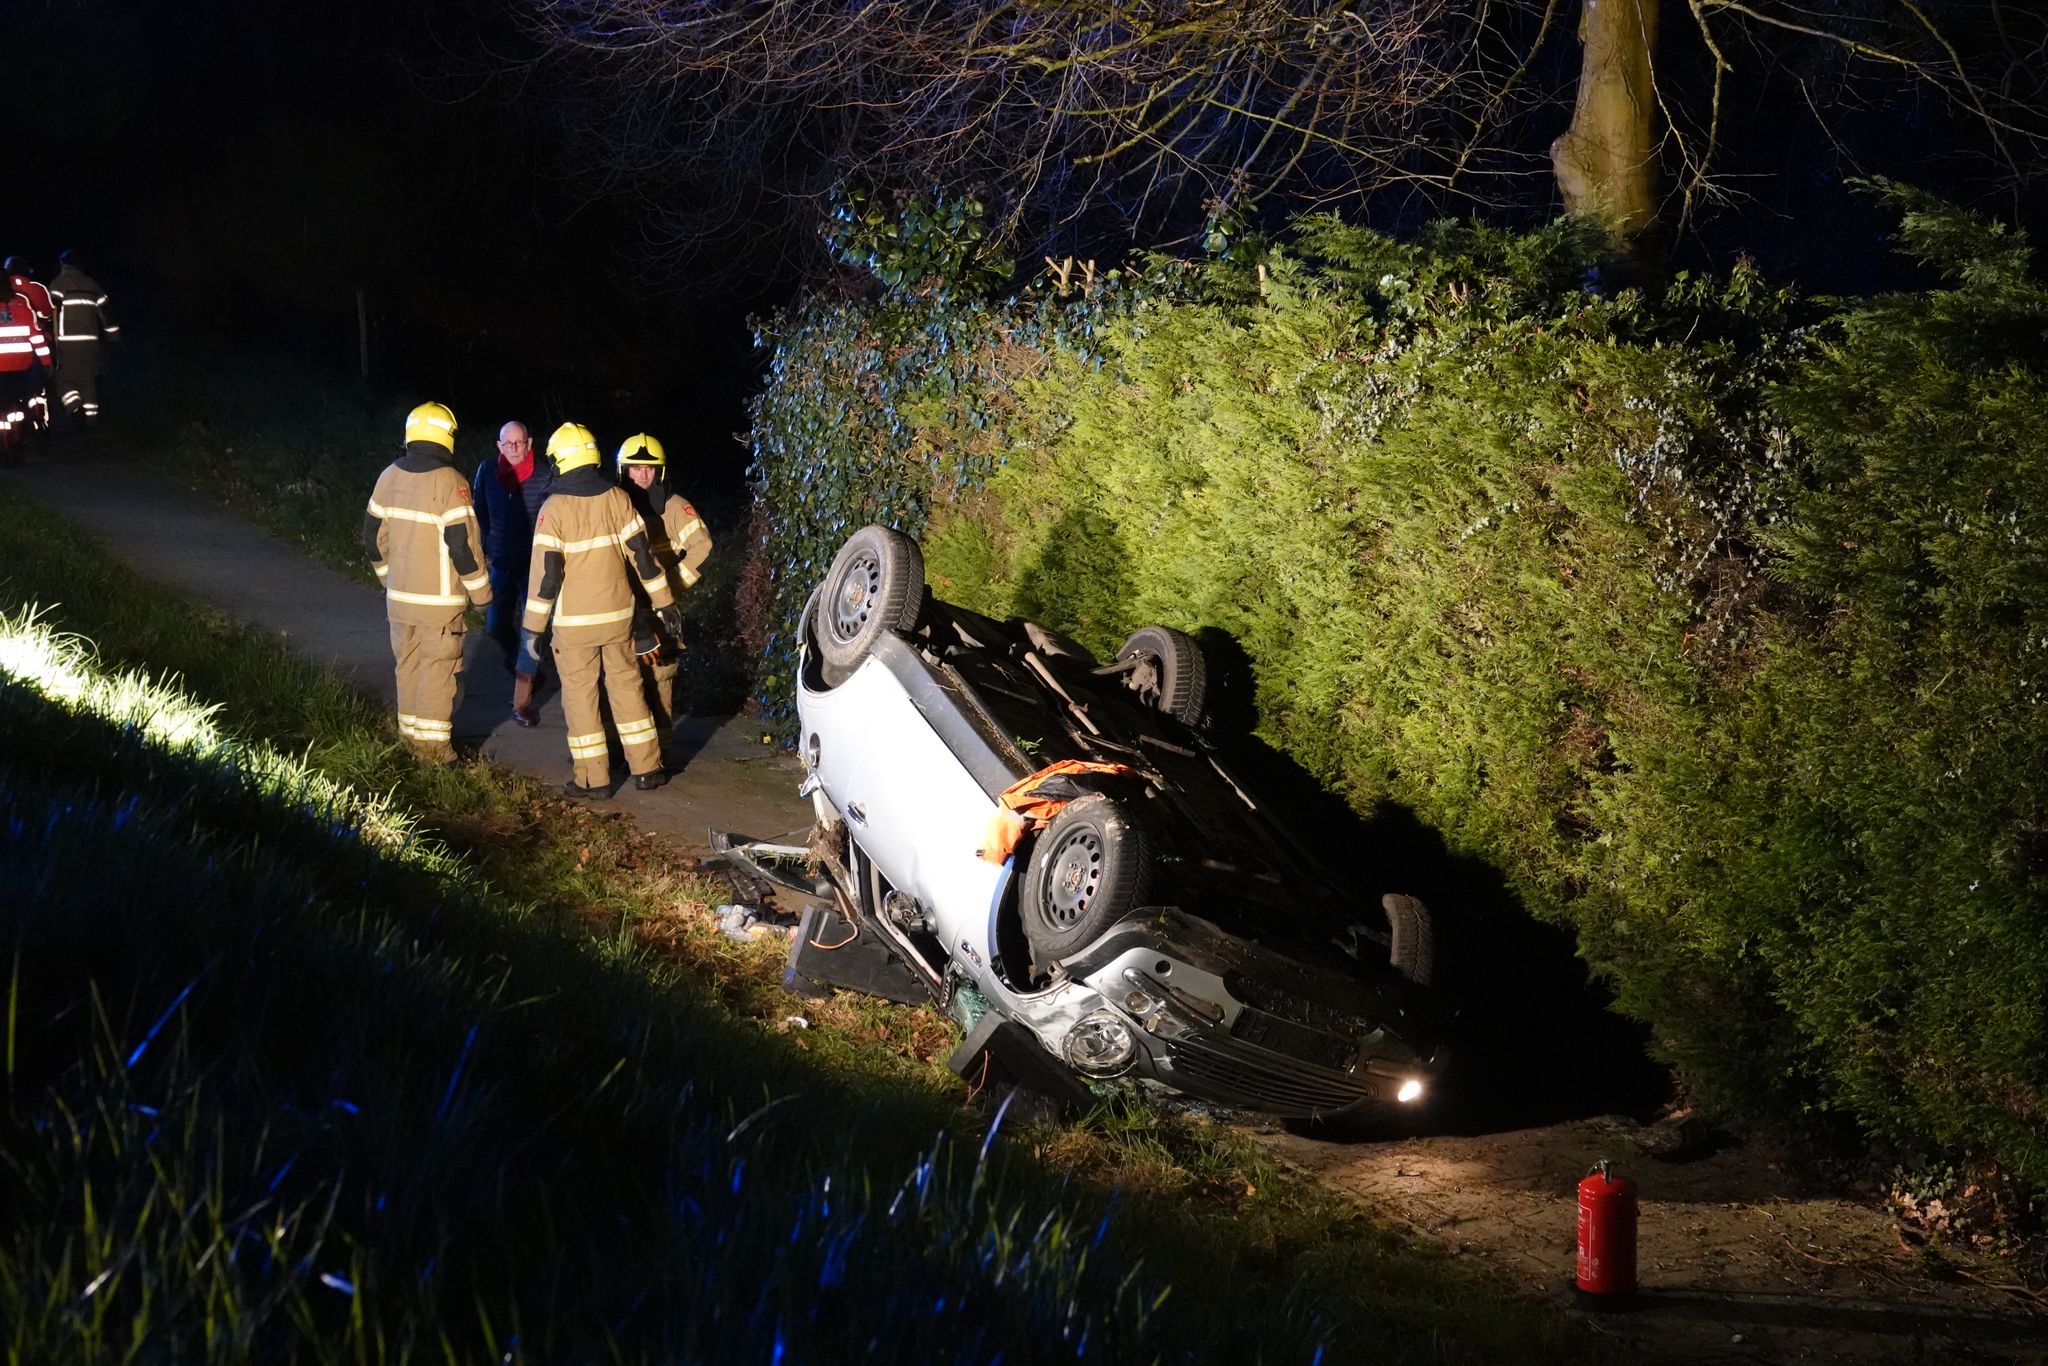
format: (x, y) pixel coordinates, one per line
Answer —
(1740, 1260)
(728, 778)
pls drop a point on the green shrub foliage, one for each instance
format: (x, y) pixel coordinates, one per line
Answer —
(1712, 617)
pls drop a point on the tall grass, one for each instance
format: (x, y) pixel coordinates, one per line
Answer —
(277, 1085)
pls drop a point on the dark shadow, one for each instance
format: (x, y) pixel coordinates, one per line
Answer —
(483, 698)
(1926, 1325)
(1080, 578)
(690, 736)
(1532, 1038)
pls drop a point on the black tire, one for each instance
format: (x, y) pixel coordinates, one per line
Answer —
(1413, 950)
(1090, 867)
(876, 584)
(1173, 675)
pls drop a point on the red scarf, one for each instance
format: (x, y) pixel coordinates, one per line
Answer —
(513, 473)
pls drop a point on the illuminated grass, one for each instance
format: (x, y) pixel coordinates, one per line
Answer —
(276, 1087)
(63, 668)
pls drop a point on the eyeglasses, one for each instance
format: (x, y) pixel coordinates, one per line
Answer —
(522, 441)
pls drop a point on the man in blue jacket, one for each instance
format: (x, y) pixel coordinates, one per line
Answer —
(508, 492)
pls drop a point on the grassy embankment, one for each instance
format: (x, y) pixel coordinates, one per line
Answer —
(287, 1074)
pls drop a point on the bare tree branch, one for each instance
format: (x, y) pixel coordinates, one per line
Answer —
(1121, 113)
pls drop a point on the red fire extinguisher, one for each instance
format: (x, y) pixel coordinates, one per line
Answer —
(1607, 1235)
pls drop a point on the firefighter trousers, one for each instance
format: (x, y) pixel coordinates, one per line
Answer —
(78, 378)
(592, 675)
(429, 659)
(659, 683)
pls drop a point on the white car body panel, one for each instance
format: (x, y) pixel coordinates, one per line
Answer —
(922, 817)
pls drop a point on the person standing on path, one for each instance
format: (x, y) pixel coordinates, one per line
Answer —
(589, 550)
(508, 491)
(681, 545)
(422, 536)
(83, 326)
(24, 365)
(21, 279)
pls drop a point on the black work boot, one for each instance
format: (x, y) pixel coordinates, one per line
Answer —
(572, 788)
(651, 779)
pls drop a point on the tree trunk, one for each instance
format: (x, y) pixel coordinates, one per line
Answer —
(1606, 162)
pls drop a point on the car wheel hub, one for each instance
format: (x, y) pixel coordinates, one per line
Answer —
(1076, 874)
(1146, 677)
(856, 597)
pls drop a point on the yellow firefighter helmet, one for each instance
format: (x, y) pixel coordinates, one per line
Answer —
(572, 447)
(643, 450)
(431, 422)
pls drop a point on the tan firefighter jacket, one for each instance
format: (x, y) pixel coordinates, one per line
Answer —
(422, 537)
(689, 543)
(681, 549)
(590, 549)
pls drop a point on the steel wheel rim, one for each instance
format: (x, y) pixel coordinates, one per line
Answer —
(854, 601)
(1073, 877)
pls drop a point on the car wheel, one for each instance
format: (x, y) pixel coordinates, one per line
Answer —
(1413, 950)
(876, 584)
(1170, 674)
(1091, 866)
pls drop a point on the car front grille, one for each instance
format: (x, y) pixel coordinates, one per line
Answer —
(1260, 1079)
(1295, 1040)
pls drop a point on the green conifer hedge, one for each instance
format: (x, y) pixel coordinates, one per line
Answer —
(1716, 619)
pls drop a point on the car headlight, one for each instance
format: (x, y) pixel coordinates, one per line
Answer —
(1099, 1044)
(1411, 1091)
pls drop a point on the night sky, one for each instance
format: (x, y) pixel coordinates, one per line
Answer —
(238, 170)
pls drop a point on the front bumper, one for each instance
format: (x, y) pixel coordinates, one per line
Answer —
(1230, 1022)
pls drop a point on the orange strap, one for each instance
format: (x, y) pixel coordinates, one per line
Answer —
(1020, 806)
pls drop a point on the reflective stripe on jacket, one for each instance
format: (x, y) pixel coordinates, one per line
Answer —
(681, 550)
(423, 541)
(37, 296)
(22, 343)
(81, 307)
(590, 549)
(689, 541)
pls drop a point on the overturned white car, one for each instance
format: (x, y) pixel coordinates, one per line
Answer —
(1051, 841)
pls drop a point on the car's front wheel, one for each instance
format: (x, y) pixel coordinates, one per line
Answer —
(876, 584)
(1413, 939)
(1091, 866)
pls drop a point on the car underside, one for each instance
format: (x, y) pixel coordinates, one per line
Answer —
(1035, 834)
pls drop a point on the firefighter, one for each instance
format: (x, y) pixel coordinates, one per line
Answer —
(21, 279)
(83, 325)
(24, 368)
(422, 536)
(589, 550)
(681, 545)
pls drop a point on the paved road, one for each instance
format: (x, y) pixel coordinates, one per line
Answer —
(729, 779)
